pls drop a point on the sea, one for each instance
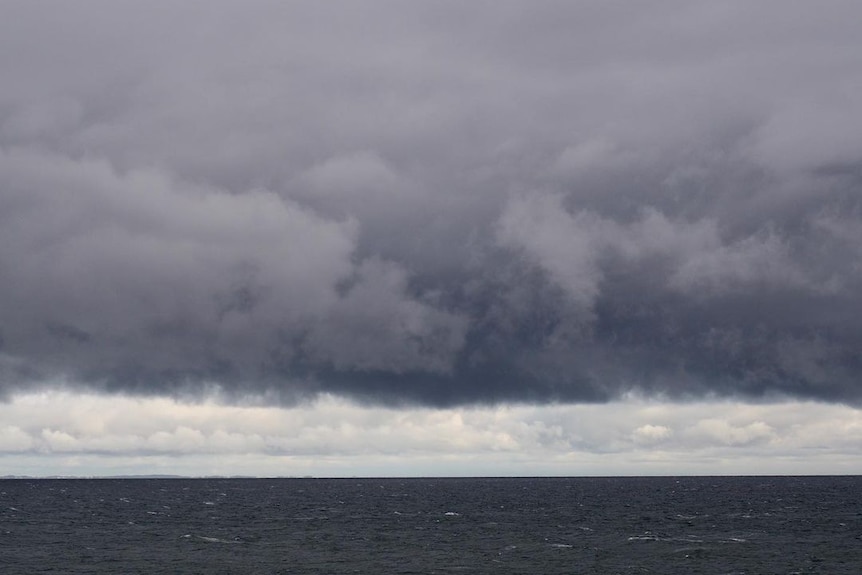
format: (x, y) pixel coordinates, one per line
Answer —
(579, 525)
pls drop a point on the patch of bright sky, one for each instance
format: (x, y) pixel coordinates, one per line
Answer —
(63, 433)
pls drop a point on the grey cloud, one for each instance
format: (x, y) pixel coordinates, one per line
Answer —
(432, 202)
(138, 273)
(374, 327)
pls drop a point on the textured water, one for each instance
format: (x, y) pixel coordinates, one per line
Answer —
(715, 525)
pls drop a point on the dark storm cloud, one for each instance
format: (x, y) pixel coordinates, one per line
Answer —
(433, 202)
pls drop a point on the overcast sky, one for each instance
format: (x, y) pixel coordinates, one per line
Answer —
(411, 238)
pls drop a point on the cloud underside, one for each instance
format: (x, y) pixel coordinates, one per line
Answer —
(432, 204)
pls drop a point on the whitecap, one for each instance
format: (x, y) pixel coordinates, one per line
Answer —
(643, 538)
(215, 539)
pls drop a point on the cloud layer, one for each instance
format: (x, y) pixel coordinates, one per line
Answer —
(84, 434)
(433, 203)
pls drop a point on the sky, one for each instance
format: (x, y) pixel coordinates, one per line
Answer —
(430, 238)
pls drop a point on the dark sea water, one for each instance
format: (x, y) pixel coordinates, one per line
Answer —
(720, 525)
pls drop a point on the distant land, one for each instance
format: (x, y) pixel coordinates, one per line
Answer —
(131, 477)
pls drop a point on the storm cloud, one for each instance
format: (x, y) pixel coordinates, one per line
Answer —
(432, 202)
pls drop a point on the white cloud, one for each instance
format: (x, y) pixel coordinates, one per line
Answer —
(13, 439)
(651, 434)
(722, 432)
(65, 433)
